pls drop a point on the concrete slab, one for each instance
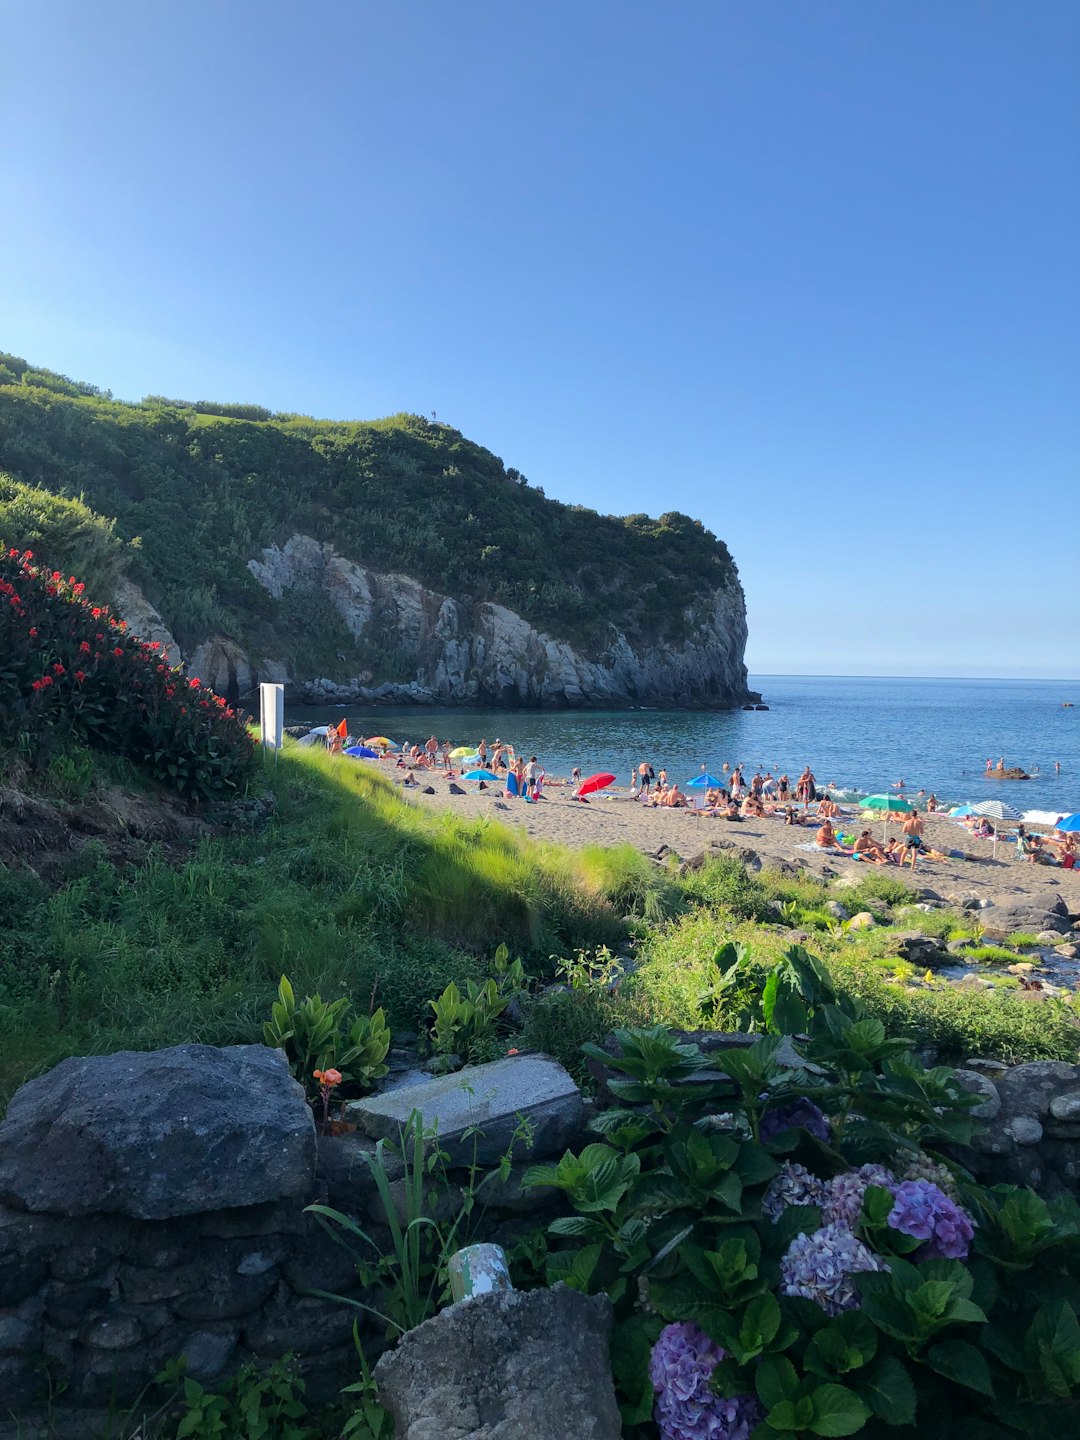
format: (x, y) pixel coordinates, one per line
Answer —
(492, 1101)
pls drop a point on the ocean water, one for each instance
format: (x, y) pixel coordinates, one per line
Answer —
(861, 733)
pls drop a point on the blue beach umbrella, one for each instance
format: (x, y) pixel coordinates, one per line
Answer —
(1069, 822)
(362, 752)
(705, 779)
(961, 810)
(479, 775)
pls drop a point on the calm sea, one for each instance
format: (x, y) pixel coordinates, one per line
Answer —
(861, 733)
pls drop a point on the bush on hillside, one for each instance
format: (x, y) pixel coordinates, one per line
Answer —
(67, 531)
(69, 669)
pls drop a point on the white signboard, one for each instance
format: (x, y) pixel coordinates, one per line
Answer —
(272, 715)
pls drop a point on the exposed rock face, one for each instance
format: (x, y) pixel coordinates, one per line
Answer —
(164, 1133)
(487, 654)
(131, 605)
(504, 1366)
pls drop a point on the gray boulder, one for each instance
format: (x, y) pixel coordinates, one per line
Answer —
(505, 1366)
(479, 1111)
(159, 1134)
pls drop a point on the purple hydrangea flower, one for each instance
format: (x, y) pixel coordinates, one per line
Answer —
(924, 1211)
(800, 1115)
(683, 1360)
(792, 1185)
(844, 1193)
(819, 1267)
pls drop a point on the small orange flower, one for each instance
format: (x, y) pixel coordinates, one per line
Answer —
(512, 1052)
(329, 1078)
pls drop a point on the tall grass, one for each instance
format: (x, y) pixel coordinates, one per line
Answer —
(347, 889)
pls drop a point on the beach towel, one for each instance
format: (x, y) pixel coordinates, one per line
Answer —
(511, 784)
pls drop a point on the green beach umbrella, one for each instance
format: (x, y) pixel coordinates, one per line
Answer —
(895, 803)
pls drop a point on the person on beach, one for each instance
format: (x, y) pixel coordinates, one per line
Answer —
(752, 808)
(792, 816)
(931, 804)
(675, 798)
(825, 839)
(782, 795)
(768, 785)
(644, 777)
(913, 832)
(482, 751)
(869, 849)
(532, 777)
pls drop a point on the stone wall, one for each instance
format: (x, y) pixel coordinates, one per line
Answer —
(1030, 1131)
(153, 1205)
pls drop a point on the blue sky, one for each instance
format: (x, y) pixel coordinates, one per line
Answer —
(805, 269)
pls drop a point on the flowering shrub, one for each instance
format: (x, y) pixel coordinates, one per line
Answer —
(69, 667)
(798, 1252)
(687, 1407)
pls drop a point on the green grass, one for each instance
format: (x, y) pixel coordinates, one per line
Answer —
(348, 889)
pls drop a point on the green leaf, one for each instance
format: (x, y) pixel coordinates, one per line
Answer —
(760, 1323)
(792, 1415)
(1053, 1345)
(575, 1226)
(846, 1343)
(959, 1360)
(837, 1411)
(889, 1391)
(775, 1380)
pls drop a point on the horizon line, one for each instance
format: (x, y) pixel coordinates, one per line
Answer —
(869, 675)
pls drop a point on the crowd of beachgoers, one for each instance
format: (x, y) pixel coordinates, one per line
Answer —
(496, 770)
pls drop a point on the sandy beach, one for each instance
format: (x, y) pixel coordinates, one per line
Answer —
(613, 818)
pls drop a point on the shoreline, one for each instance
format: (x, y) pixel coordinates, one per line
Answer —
(611, 818)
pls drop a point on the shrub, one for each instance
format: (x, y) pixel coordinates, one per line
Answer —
(790, 1255)
(68, 668)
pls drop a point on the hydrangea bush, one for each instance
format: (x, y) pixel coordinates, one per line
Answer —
(797, 1252)
(70, 668)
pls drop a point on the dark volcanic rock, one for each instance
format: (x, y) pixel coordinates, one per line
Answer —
(170, 1132)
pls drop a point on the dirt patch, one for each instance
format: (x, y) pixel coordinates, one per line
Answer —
(45, 834)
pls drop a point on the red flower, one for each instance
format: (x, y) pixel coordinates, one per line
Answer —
(79, 589)
(33, 631)
(170, 691)
(26, 554)
(42, 683)
(95, 612)
(194, 682)
(85, 647)
(118, 652)
(58, 669)
(80, 676)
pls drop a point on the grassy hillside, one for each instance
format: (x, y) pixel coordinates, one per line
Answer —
(351, 890)
(203, 486)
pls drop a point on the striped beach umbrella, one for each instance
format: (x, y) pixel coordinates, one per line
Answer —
(997, 810)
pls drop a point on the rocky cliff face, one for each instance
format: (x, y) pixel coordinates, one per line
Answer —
(480, 654)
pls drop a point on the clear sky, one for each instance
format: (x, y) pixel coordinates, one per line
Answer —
(806, 269)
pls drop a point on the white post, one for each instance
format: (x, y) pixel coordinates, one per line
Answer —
(272, 715)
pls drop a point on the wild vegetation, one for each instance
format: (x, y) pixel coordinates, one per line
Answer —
(352, 892)
(201, 487)
(70, 671)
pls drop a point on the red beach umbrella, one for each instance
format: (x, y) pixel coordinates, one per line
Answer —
(595, 782)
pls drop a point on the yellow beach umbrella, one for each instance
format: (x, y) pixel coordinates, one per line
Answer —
(461, 751)
(378, 740)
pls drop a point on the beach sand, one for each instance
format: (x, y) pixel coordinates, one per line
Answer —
(612, 818)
